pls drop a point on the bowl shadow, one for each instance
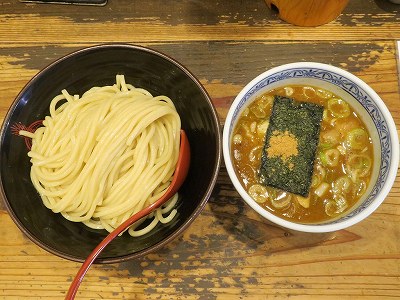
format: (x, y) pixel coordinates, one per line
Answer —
(250, 231)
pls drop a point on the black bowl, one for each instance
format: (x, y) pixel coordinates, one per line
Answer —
(77, 72)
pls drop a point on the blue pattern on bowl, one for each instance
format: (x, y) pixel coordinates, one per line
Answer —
(360, 95)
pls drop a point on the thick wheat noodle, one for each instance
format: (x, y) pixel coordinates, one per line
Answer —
(102, 157)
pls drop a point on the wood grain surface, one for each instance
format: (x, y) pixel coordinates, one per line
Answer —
(228, 252)
(307, 12)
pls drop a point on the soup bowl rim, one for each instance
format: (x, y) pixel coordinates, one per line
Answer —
(246, 94)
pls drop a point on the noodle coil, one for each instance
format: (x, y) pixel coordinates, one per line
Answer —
(102, 157)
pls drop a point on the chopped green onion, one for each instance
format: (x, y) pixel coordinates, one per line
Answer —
(258, 111)
(331, 137)
(357, 139)
(335, 207)
(321, 189)
(258, 192)
(323, 158)
(324, 146)
(288, 91)
(330, 208)
(262, 128)
(358, 165)
(341, 185)
(332, 157)
(338, 107)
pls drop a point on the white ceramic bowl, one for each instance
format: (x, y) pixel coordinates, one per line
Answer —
(364, 101)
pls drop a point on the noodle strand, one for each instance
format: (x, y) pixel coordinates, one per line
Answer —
(102, 157)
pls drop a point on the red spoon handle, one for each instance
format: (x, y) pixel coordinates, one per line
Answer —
(95, 253)
(181, 171)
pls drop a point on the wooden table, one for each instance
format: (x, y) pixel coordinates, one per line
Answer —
(228, 252)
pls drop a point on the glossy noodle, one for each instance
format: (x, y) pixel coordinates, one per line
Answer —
(104, 156)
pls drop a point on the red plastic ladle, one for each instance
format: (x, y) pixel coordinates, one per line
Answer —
(181, 171)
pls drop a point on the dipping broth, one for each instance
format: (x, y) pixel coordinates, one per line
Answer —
(342, 167)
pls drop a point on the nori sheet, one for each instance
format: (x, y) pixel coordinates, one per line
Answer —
(303, 120)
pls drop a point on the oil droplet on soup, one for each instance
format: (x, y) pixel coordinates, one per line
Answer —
(343, 162)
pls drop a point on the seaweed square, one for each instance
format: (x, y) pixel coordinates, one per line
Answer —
(291, 142)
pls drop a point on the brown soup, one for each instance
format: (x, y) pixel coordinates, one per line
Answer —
(343, 163)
